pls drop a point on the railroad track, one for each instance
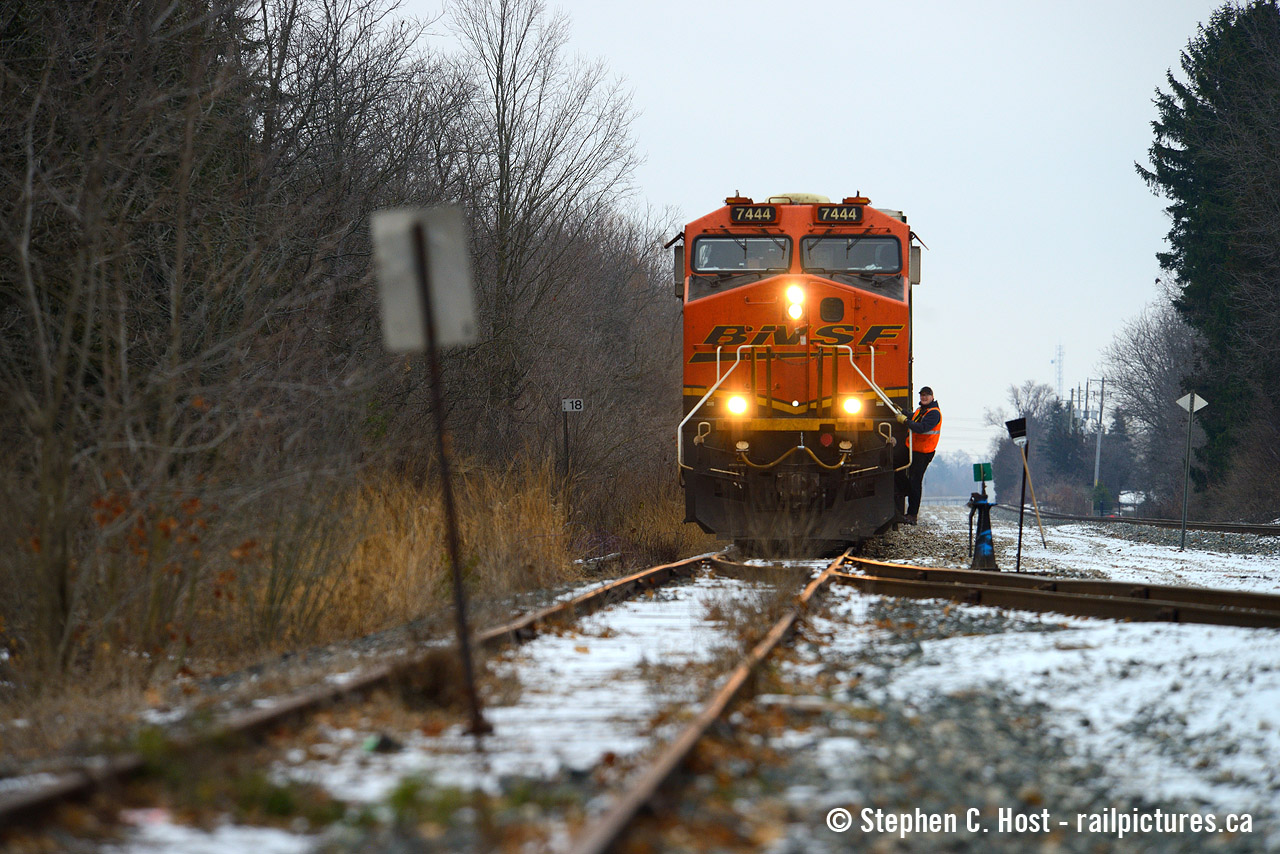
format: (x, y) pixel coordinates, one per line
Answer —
(1117, 600)
(1114, 600)
(1106, 599)
(23, 805)
(1212, 527)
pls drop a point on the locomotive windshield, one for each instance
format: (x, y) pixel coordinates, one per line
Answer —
(735, 254)
(851, 254)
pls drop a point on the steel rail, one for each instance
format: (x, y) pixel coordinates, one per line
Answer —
(604, 833)
(1204, 596)
(97, 773)
(1009, 591)
(1212, 527)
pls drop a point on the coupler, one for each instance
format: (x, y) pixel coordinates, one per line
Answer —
(982, 548)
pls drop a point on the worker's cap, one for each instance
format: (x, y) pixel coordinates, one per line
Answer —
(924, 389)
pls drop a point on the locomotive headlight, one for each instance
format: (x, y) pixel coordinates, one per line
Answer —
(737, 404)
(795, 296)
(852, 405)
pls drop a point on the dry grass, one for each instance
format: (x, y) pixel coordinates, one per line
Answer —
(514, 539)
(321, 568)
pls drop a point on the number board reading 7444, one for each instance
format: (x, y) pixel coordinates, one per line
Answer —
(753, 213)
(838, 213)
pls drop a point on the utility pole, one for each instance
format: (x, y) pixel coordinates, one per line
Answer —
(1097, 454)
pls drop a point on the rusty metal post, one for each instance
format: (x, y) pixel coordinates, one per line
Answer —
(479, 726)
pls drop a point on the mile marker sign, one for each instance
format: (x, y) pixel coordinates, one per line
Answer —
(571, 404)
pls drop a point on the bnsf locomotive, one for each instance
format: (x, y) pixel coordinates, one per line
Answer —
(797, 358)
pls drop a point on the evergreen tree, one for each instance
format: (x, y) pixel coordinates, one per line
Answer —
(1214, 158)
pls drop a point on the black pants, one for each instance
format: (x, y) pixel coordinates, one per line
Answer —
(910, 482)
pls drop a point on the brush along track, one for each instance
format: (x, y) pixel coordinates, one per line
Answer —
(49, 790)
(1117, 600)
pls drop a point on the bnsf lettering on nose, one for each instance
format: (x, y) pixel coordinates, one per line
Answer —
(837, 334)
(730, 336)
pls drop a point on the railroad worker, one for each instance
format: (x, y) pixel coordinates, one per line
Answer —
(923, 431)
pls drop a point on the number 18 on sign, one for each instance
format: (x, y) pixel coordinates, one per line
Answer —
(567, 405)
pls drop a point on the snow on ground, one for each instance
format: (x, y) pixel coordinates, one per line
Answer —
(1153, 563)
(1171, 709)
(1102, 548)
(583, 694)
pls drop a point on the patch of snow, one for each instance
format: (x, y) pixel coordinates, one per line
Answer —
(27, 782)
(155, 832)
(163, 717)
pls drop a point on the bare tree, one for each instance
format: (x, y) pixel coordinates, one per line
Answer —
(1147, 364)
(183, 310)
(554, 156)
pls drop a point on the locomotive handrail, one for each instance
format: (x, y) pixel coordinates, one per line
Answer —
(871, 382)
(698, 405)
(879, 391)
(720, 378)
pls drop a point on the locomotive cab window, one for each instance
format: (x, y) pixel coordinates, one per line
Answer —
(869, 262)
(722, 262)
(851, 254)
(730, 254)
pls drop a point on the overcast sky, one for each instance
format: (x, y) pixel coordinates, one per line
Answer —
(1007, 132)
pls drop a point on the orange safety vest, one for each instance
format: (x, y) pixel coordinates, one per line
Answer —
(925, 443)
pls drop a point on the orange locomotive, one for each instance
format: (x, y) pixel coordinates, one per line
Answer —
(797, 357)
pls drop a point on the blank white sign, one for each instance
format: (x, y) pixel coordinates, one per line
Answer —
(448, 277)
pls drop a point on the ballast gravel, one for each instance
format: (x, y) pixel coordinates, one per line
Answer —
(979, 756)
